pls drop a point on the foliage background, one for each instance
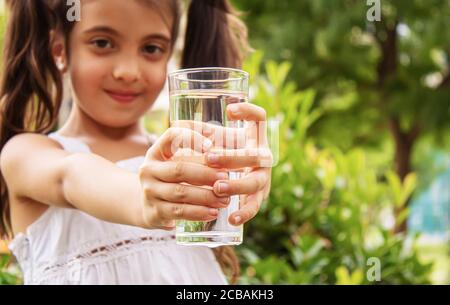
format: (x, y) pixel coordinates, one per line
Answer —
(364, 109)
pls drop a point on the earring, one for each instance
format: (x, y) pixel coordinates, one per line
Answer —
(60, 65)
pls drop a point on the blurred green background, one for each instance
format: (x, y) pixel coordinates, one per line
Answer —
(364, 153)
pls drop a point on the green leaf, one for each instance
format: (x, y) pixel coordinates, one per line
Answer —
(342, 276)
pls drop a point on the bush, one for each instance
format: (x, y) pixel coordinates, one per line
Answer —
(9, 273)
(329, 211)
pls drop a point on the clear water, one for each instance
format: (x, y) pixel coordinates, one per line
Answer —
(207, 106)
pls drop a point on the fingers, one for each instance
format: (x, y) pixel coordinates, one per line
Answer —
(239, 158)
(248, 211)
(252, 183)
(170, 211)
(255, 130)
(246, 112)
(192, 173)
(181, 193)
(225, 137)
(205, 128)
(256, 124)
(176, 138)
(266, 190)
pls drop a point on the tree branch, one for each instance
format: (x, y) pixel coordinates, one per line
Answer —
(414, 133)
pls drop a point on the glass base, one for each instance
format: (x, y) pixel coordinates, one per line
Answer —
(210, 239)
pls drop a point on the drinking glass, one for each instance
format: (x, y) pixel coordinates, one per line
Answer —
(202, 95)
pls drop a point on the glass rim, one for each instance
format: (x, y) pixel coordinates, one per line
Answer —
(174, 74)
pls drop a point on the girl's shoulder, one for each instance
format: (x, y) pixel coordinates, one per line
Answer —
(25, 141)
(22, 145)
(31, 138)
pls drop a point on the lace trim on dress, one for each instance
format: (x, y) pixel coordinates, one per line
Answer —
(99, 254)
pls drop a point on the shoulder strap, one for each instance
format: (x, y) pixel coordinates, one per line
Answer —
(70, 144)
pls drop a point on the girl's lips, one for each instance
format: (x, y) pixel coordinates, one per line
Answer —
(123, 97)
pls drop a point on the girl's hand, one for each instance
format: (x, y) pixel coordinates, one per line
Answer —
(165, 197)
(255, 186)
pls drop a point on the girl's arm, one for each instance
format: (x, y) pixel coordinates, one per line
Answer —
(35, 167)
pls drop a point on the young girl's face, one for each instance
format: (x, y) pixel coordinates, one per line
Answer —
(118, 58)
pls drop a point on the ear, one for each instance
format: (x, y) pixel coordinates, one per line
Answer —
(58, 50)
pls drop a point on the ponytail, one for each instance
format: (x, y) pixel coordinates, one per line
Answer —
(31, 85)
(215, 37)
(29, 78)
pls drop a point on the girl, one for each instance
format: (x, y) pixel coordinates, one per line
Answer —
(83, 203)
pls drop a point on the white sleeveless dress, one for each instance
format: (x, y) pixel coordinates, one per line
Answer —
(67, 246)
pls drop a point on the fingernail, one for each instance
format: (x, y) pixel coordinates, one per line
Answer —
(223, 187)
(222, 176)
(207, 144)
(237, 219)
(214, 212)
(213, 158)
(224, 200)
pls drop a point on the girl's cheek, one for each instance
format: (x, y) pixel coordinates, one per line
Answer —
(86, 68)
(87, 79)
(155, 80)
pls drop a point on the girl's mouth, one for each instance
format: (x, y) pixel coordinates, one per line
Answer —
(123, 97)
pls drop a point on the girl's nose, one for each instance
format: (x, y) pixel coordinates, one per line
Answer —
(126, 70)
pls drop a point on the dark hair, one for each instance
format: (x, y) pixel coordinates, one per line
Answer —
(32, 87)
(215, 37)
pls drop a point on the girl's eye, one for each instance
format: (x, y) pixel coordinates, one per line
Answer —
(152, 49)
(102, 43)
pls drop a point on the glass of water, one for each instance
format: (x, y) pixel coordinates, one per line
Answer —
(202, 95)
